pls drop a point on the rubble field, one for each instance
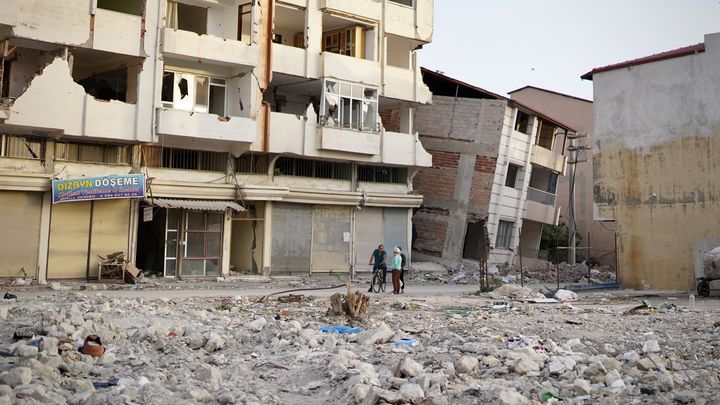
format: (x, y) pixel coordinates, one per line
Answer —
(603, 348)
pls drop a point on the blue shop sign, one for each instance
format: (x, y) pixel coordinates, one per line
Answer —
(99, 188)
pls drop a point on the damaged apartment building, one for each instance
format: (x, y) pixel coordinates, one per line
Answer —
(250, 130)
(493, 183)
(657, 162)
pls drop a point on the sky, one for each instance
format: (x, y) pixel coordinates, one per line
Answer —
(502, 45)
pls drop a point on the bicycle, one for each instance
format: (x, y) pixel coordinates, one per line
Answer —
(378, 283)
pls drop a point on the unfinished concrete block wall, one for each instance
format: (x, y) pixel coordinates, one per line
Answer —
(463, 136)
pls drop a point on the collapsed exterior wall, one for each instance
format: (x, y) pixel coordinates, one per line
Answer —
(657, 132)
(463, 136)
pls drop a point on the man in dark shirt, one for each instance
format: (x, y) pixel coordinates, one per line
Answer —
(377, 260)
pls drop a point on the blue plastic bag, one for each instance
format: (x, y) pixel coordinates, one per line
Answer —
(405, 342)
(343, 330)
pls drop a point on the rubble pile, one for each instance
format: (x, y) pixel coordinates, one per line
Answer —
(404, 350)
(577, 274)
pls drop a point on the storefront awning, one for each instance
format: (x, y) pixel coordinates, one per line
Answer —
(201, 205)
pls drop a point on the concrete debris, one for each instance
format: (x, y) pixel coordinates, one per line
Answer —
(199, 349)
(711, 263)
(565, 296)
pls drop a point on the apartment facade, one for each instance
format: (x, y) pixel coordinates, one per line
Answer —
(252, 127)
(657, 142)
(597, 238)
(493, 183)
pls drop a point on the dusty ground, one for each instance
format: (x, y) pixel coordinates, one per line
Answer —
(221, 345)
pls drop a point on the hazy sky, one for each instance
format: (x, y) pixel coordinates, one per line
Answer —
(501, 45)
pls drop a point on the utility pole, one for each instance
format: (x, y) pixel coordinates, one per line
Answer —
(575, 149)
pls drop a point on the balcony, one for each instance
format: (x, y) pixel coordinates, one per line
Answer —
(540, 207)
(204, 126)
(289, 60)
(57, 22)
(350, 69)
(8, 13)
(411, 22)
(345, 140)
(186, 45)
(548, 159)
(79, 114)
(404, 149)
(118, 32)
(365, 9)
(405, 84)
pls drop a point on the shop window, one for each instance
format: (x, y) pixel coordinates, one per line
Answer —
(93, 153)
(21, 147)
(186, 159)
(186, 17)
(504, 234)
(349, 106)
(134, 7)
(312, 168)
(522, 122)
(512, 176)
(252, 163)
(382, 174)
(189, 92)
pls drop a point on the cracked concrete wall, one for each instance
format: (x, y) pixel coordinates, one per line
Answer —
(463, 135)
(657, 132)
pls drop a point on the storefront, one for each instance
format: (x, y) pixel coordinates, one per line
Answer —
(184, 238)
(19, 233)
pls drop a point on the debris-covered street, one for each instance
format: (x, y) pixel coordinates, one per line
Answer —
(606, 347)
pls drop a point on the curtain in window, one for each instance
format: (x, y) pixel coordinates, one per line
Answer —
(172, 15)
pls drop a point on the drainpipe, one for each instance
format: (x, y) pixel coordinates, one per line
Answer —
(268, 73)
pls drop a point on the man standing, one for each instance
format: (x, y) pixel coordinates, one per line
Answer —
(377, 260)
(396, 267)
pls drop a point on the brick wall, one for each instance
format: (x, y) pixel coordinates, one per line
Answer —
(436, 182)
(484, 164)
(430, 230)
(391, 120)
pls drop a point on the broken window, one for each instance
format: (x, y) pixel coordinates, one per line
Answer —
(109, 85)
(522, 122)
(189, 92)
(504, 234)
(93, 153)
(173, 158)
(349, 106)
(512, 176)
(244, 22)
(21, 147)
(546, 135)
(134, 7)
(312, 168)
(382, 174)
(186, 17)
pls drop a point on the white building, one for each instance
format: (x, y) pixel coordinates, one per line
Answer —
(221, 104)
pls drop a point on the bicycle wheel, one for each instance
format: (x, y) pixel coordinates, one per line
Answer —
(382, 281)
(378, 282)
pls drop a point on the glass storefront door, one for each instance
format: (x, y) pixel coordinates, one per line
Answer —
(193, 243)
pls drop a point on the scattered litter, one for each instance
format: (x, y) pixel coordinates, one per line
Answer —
(285, 299)
(343, 330)
(457, 312)
(405, 342)
(93, 346)
(104, 384)
(9, 296)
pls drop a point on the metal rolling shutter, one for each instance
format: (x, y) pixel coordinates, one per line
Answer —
(329, 252)
(69, 226)
(368, 235)
(396, 230)
(19, 232)
(291, 234)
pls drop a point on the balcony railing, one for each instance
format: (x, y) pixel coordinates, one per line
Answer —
(541, 197)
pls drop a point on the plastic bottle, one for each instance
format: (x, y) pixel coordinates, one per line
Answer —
(691, 302)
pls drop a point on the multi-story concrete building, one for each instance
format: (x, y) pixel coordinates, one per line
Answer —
(597, 237)
(496, 164)
(255, 125)
(657, 142)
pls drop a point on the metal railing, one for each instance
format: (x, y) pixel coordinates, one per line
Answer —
(542, 197)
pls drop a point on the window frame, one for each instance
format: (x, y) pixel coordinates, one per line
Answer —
(345, 92)
(192, 89)
(515, 177)
(504, 236)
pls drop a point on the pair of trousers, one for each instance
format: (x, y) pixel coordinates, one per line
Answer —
(396, 281)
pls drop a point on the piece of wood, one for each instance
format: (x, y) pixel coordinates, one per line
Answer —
(337, 302)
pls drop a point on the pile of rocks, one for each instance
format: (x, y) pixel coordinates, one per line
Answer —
(239, 350)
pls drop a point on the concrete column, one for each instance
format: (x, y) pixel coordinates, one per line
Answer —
(133, 229)
(44, 244)
(457, 218)
(267, 241)
(406, 119)
(227, 236)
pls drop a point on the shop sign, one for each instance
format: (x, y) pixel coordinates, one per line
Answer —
(147, 214)
(99, 188)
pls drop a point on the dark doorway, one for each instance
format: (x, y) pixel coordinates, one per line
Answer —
(151, 243)
(474, 236)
